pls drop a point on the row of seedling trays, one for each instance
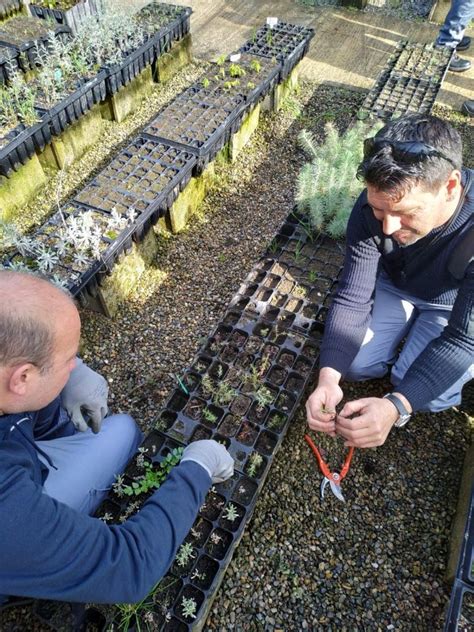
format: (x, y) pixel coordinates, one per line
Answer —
(242, 389)
(141, 182)
(167, 23)
(460, 617)
(410, 81)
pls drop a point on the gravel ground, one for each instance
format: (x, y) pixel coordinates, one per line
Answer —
(374, 563)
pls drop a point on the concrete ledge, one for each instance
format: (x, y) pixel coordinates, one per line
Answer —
(20, 187)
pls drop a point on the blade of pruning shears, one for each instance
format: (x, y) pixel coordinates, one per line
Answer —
(332, 478)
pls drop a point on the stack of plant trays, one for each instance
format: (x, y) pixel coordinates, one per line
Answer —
(460, 617)
(21, 143)
(71, 17)
(166, 23)
(288, 43)
(409, 83)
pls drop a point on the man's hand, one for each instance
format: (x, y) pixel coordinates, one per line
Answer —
(86, 390)
(212, 456)
(321, 404)
(375, 419)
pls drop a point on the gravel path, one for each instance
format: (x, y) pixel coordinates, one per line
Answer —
(375, 563)
(404, 9)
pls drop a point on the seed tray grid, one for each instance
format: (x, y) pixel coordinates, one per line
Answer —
(410, 82)
(288, 43)
(252, 85)
(197, 123)
(147, 175)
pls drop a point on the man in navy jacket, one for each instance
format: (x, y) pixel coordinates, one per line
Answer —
(52, 476)
(408, 276)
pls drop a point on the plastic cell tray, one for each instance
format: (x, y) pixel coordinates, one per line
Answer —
(288, 43)
(410, 81)
(147, 175)
(71, 17)
(198, 121)
(20, 144)
(76, 276)
(12, 37)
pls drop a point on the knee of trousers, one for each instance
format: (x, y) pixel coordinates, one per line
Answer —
(358, 371)
(124, 430)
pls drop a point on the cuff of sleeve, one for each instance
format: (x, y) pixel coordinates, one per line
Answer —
(199, 466)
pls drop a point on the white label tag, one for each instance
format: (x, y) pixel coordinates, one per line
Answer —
(235, 57)
(272, 22)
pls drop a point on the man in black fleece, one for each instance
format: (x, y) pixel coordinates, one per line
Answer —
(408, 275)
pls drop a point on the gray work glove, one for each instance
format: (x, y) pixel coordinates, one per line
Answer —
(85, 396)
(212, 456)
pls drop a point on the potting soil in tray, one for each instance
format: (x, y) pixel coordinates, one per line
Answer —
(142, 176)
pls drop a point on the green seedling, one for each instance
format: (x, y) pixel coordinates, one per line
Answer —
(205, 82)
(209, 416)
(153, 478)
(184, 554)
(255, 462)
(236, 71)
(255, 65)
(221, 60)
(230, 513)
(312, 276)
(189, 607)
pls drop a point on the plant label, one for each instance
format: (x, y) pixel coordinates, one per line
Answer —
(271, 22)
(235, 57)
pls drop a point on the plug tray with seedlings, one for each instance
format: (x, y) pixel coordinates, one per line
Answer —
(198, 120)
(8, 63)
(410, 81)
(82, 95)
(294, 282)
(65, 12)
(9, 8)
(74, 246)
(460, 616)
(25, 35)
(163, 24)
(22, 142)
(181, 599)
(147, 175)
(285, 42)
(246, 75)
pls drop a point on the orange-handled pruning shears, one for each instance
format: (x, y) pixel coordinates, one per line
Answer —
(333, 478)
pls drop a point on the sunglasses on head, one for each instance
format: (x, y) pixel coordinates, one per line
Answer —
(407, 151)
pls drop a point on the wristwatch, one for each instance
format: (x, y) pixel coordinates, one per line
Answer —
(404, 415)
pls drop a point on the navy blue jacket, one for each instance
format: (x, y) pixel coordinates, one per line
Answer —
(420, 270)
(50, 551)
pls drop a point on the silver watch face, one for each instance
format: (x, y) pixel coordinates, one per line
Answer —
(402, 420)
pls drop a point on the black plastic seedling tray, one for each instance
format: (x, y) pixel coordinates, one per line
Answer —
(11, 35)
(21, 143)
(77, 274)
(77, 104)
(410, 81)
(460, 617)
(10, 7)
(8, 63)
(250, 77)
(199, 121)
(147, 175)
(71, 17)
(173, 24)
(285, 42)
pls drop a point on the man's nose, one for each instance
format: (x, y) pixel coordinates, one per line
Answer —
(391, 224)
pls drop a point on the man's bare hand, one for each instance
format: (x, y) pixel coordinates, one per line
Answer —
(321, 408)
(369, 428)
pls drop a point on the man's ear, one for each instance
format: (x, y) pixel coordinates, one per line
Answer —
(452, 184)
(21, 378)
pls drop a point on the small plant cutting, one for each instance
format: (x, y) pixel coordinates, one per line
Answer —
(154, 476)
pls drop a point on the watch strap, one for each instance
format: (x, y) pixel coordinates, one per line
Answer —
(403, 414)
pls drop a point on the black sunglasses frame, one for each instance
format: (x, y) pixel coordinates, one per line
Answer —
(410, 151)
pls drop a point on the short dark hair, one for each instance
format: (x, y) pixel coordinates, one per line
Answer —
(396, 176)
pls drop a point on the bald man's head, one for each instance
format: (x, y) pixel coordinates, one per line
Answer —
(32, 313)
